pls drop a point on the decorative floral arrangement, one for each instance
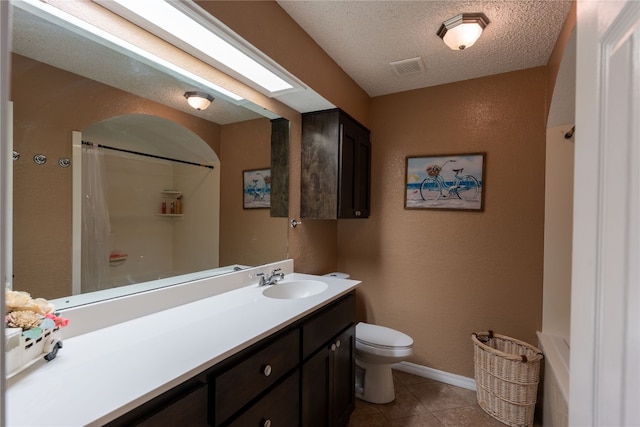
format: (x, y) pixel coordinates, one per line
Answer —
(433, 169)
(29, 314)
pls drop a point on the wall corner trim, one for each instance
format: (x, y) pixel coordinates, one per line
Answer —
(435, 374)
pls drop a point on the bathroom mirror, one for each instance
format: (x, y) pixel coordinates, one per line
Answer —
(62, 82)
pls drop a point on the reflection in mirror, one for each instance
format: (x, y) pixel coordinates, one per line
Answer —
(62, 82)
(130, 169)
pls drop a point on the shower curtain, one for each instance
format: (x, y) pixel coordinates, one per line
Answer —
(96, 228)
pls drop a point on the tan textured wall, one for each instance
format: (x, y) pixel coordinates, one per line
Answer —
(440, 275)
(555, 59)
(247, 236)
(558, 232)
(48, 104)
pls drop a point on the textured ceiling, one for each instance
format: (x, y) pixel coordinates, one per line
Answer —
(363, 37)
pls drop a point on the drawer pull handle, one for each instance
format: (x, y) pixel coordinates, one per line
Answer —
(333, 347)
(266, 423)
(338, 344)
(267, 371)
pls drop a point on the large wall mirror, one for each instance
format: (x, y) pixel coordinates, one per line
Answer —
(174, 176)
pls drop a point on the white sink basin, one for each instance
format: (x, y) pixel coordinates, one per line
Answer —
(295, 289)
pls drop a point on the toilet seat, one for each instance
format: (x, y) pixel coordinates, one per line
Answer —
(382, 341)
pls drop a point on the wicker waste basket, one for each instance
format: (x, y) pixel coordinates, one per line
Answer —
(507, 372)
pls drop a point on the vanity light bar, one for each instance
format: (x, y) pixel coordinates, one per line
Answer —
(189, 27)
(59, 17)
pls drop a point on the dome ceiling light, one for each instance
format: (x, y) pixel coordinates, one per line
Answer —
(198, 100)
(462, 31)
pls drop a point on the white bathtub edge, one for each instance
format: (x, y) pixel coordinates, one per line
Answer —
(557, 359)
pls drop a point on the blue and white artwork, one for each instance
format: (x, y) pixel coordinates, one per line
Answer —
(454, 182)
(256, 186)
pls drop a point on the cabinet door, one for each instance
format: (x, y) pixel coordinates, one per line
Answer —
(320, 154)
(343, 371)
(328, 383)
(189, 410)
(316, 390)
(355, 166)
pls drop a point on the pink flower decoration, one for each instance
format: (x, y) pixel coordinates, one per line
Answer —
(59, 321)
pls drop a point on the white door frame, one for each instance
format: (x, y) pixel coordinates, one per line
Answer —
(5, 173)
(605, 306)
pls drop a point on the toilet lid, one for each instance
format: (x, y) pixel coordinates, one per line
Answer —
(381, 336)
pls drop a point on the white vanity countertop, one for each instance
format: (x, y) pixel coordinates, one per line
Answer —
(101, 375)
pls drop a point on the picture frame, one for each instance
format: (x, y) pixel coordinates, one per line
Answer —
(256, 188)
(445, 182)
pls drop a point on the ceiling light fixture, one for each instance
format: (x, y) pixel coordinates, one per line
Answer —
(189, 27)
(198, 100)
(462, 31)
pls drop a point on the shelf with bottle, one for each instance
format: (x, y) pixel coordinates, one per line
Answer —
(171, 204)
(117, 258)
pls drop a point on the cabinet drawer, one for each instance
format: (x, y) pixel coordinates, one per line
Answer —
(185, 404)
(327, 324)
(190, 410)
(279, 408)
(241, 383)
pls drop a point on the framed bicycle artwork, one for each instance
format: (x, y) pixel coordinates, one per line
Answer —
(445, 182)
(256, 189)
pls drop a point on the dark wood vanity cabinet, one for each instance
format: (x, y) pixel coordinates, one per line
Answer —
(303, 375)
(311, 375)
(336, 166)
(328, 368)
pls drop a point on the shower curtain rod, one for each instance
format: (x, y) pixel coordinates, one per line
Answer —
(106, 147)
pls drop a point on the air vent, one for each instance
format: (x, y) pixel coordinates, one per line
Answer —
(408, 66)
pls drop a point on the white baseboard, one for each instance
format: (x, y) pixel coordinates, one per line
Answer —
(434, 374)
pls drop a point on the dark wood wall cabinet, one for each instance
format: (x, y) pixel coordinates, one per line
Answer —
(336, 166)
(279, 168)
(303, 375)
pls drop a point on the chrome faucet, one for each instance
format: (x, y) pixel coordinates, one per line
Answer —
(272, 279)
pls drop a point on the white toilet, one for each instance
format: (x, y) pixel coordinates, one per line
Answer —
(377, 348)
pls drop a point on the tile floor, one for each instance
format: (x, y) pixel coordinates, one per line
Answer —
(421, 402)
